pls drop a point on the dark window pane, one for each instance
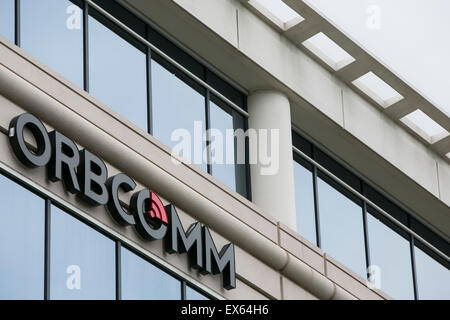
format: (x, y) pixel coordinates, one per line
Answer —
(7, 19)
(390, 257)
(123, 15)
(52, 31)
(302, 144)
(341, 228)
(143, 281)
(21, 242)
(192, 294)
(433, 279)
(117, 73)
(177, 105)
(430, 236)
(337, 169)
(227, 153)
(82, 260)
(385, 204)
(304, 202)
(176, 53)
(225, 89)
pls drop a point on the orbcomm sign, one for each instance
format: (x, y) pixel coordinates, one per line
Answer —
(86, 175)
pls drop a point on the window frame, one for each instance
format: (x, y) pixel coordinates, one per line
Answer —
(371, 199)
(145, 37)
(50, 201)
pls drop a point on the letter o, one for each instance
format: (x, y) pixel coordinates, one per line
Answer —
(17, 141)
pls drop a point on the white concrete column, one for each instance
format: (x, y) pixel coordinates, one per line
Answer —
(273, 192)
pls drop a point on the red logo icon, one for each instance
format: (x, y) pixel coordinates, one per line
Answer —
(157, 210)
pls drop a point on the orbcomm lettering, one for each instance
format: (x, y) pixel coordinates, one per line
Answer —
(86, 175)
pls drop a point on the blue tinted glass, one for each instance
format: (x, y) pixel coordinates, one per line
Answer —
(176, 105)
(222, 154)
(143, 281)
(304, 202)
(21, 242)
(82, 260)
(341, 228)
(433, 279)
(7, 19)
(52, 31)
(192, 294)
(390, 257)
(117, 73)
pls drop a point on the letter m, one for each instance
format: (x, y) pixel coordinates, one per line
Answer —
(177, 240)
(223, 262)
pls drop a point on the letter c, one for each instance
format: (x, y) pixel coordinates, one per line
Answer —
(113, 184)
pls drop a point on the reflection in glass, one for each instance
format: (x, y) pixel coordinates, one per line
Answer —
(82, 260)
(143, 281)
(341, 228)
(223, 157)
(192, 294)
(117, 73)
(433, 279)
(21, 242)
(54, 36)
(304, 202)
(176, 105)
(7, 19)
(391, 254)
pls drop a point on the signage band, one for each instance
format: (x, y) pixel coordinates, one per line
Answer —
(86, 175)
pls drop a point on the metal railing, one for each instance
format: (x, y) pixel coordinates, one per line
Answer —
(165, 56)
(371, 204)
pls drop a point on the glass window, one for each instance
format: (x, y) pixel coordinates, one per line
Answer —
(52, 31)
(82, 260)
(390, 257)
(227, 155)
(433, 279)
(143, 281)
(341, 228)
(304, 202)
(177, 110)
(117, 73)
(21, 242)
(7, 14)
(192, 294)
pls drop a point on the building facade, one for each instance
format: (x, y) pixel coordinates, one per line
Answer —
(348, 201)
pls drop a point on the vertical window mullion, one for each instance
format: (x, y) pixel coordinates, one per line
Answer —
(183, 289)
(208, 126)
(48, 206)
(149, 92)
(316, 206)
(118, 270)
(414, 270)
(366, 237)
(247, 157)
(17, 23)
(86, 45)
